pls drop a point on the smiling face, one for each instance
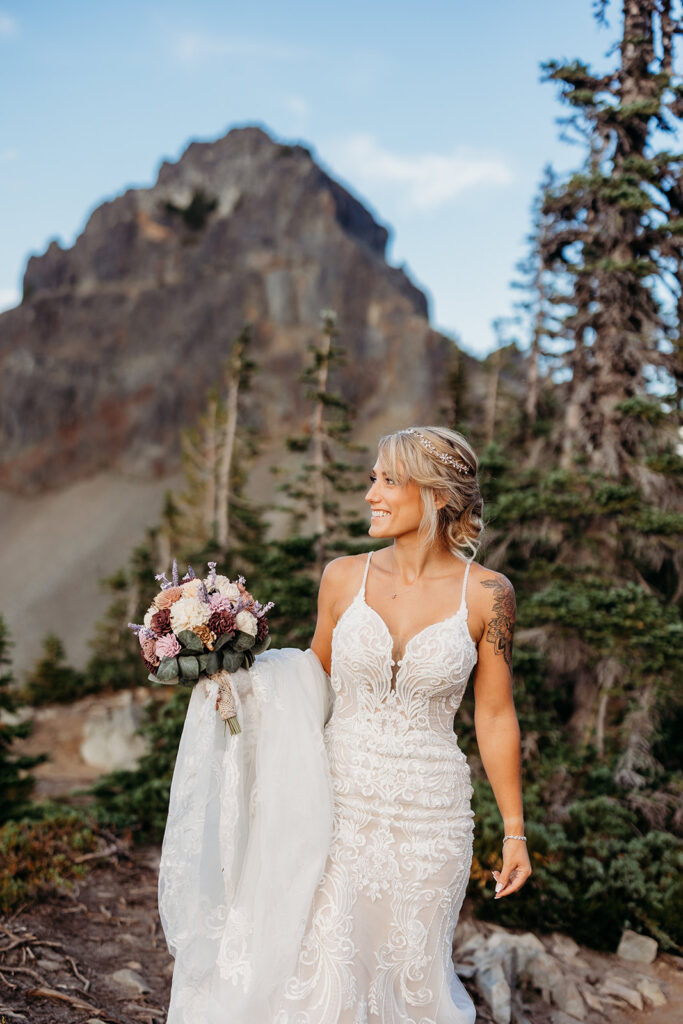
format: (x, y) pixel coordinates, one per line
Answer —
(396, 508)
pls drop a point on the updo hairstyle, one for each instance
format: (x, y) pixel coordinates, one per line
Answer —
(414, 454)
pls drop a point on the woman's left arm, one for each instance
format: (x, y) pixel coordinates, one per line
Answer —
(497, 727)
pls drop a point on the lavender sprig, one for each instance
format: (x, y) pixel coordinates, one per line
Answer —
(142, 631)
(212, 574)
(175, 572)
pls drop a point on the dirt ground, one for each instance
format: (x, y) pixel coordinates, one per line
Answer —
(57, 958)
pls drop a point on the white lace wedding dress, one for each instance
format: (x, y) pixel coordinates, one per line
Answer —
(314, 866)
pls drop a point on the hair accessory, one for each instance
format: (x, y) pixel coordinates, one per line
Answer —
(448, 460)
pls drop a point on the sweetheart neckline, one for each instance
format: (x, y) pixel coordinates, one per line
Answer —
(360, 596)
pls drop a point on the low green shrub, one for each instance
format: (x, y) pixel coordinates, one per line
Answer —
(39, 857)
(594, 874)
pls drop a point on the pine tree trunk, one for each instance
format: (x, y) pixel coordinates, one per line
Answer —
(210, 448)
(318, 445)
(492, 398)
(228, 450)
(532, 380)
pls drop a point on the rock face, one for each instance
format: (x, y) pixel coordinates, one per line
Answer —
(563, 986)
(110, 733)
(119, 338)
(93, 735)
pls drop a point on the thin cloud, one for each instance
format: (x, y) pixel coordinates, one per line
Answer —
(9, 26)
(9, 298)
(296, 105)
(193, 47)
(427, 181)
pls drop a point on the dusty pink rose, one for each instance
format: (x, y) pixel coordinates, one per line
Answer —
(167, 597)
(167, 646)
(220, 603)
(148, 646)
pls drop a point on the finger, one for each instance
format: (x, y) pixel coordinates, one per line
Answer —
(503, 877)
(516, 881)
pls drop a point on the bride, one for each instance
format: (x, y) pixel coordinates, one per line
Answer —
(314, 865)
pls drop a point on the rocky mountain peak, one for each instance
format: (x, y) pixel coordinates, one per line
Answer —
(134, 319)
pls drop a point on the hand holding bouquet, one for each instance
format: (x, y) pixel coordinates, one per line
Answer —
(197, 628)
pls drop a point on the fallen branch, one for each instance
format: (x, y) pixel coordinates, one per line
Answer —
(24, 970)
(62, 997)
(75, 910)
(6, 982)
(86, 981)
(95, 856)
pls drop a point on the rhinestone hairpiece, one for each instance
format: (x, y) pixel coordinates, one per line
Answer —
(446, 459)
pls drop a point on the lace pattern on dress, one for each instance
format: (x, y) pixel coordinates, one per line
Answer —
(377, 948)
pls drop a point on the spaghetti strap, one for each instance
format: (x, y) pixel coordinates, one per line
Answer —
(463, 602)
(365, 574)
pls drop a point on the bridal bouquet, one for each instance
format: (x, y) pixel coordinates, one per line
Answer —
(202, 628)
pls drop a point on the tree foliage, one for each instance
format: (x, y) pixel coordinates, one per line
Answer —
(16, 780)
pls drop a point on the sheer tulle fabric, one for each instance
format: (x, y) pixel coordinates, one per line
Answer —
(246, 839)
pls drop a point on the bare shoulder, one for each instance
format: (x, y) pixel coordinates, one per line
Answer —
(341, 578)
(491, 587)
(343, 570)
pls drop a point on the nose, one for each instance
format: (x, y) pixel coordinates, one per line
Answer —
(370, 495)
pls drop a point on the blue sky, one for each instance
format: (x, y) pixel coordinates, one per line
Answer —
(431, 112)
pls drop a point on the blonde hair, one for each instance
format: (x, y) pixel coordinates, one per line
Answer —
(416, 454)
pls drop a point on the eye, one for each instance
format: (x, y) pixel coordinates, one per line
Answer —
(372, 478)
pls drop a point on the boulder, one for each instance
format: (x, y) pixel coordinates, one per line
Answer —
(110, 737)
(591, 999)
(651, 990)
(563, 946)
(614, 986)
(495, 991)
(640, 948)
(544, 973)
(129, 979)
(567, 998)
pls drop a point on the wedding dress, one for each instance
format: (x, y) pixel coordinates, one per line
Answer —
(314, 865)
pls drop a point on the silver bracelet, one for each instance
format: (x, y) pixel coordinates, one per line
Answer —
(523, 838)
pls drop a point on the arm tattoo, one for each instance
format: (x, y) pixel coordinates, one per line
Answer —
(502, 621)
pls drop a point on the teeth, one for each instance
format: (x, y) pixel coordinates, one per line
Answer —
(377, 515)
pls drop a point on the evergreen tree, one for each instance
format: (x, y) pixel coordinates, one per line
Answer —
(585, 514)
(332, 468)
(52, 680)
(16, 780)
(609, 238)
(115, 662)
(211, 518)
(536, 308)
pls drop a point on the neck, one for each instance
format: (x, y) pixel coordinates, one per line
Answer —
(411, 560)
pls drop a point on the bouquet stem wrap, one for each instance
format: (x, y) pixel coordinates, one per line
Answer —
(227, 708)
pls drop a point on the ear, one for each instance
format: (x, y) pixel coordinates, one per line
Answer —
(440, 499)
